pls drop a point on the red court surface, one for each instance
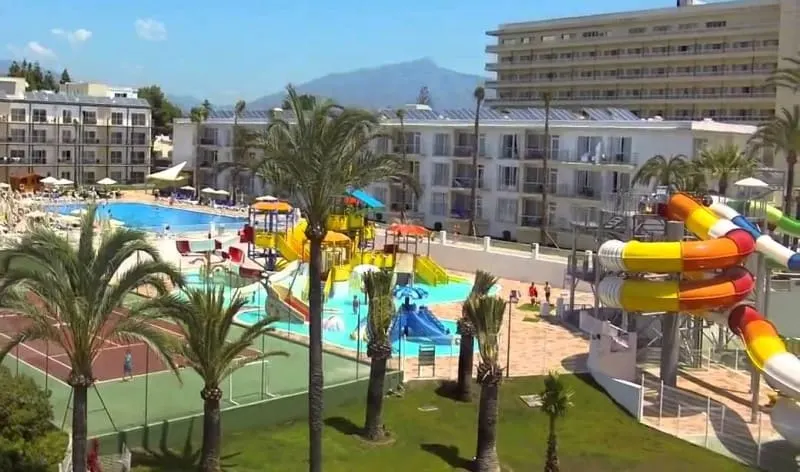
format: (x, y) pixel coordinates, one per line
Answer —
(108, 365)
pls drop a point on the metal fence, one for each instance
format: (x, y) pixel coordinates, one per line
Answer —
(713, 425)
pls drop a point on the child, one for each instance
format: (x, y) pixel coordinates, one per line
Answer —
(533, 293)
(127, 366)
(547, 292)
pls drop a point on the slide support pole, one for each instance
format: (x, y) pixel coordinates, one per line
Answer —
(670, 325)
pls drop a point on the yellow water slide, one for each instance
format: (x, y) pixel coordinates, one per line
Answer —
(429, 272)
(293, 244)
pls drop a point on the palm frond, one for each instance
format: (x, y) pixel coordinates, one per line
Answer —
(556, 398)
(486, 315)
(381, 314)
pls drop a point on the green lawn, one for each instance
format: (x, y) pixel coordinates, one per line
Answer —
(597, 436)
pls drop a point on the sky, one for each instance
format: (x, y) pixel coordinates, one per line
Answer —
(244, 49)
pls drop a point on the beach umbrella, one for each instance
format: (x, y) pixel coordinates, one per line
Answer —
(106, 181)
(221, 192)
(64, 182)
(49, 180)
(266, 198)
(188, 188)
(208, 190)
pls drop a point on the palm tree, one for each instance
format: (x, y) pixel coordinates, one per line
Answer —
(781, 133)
(378, 287)
(660, 170)
(242, 141)
(486, 314)
(788, 76)
(484, 281)
(305, 100)
(211, 349)
(543, 236)
(479, 94)
(198, 115)
(556, 400)
(81, 288)
(319, 155)
(724, 163)
(401, 115)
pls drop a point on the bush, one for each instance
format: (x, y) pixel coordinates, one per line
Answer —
(28, 440)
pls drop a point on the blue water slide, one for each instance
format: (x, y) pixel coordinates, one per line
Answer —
(368, 200)
(420, 325)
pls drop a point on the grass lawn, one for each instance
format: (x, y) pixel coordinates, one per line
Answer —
(596, 436)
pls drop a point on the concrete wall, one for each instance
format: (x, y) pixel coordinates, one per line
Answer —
(627, 394)
(782, 311)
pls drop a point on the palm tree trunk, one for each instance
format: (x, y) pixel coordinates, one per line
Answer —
(473, 189)
(405, 160)
(466, 355)
(315, 375)
(79, 426)
(551, 463)
(212, 430)
(486, 459)
(543, 233)
(791, 161)
(373, 426)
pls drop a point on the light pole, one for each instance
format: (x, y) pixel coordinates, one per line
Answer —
(513, 299)
(357, 312)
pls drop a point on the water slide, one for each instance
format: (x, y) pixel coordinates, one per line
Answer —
(403, 272)
(292, 245)
(722, 245)
(430, 272)
(420, 324)
(775, 217)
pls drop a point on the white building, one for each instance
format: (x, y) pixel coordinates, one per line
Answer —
(94, 89)
(78, 137)
(594, 154)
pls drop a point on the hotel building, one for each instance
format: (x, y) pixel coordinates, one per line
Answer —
(594, 154)
(688, 62)
(79, 137)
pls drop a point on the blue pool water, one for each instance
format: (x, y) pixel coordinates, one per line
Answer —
(342, 307)
(154, 217)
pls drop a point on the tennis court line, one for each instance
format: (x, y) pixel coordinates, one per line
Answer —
(38, 368)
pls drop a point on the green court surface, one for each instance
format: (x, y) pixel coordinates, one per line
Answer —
(153, 397)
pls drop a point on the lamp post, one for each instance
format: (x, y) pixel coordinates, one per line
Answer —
(513, 299)
(357, 312)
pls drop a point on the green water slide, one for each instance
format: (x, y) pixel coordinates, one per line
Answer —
(784, 224)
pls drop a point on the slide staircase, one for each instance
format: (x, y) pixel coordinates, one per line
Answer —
(430, 272)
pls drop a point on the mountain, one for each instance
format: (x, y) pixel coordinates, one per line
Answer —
(4, 65)
(184, 102)
(388, 85)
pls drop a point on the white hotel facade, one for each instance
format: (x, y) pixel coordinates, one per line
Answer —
(594, 154)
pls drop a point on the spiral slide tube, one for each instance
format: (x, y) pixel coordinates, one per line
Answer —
(775, 217)
(764, 242)
(765, 348)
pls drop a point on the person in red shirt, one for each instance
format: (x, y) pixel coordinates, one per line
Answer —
(533, 293)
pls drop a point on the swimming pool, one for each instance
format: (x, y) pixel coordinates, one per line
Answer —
(341, 307)
(154, 217)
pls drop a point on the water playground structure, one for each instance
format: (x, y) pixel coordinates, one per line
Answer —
(704, 277)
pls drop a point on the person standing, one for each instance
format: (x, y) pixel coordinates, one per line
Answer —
(547, 292)
(127, 366)
(356, 305)
(533, 293)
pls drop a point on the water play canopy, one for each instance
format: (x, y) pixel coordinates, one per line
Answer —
(366, 199)
(171, 175)
(402, 229)
(265, 206)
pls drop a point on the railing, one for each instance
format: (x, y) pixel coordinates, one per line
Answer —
(711, 424)
(585, 192)
(537, 187)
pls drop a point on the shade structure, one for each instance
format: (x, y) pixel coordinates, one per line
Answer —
(49, 180)
(402, 229)
(332, 237)
(221, 192)
(171, 175)
(106, 181)
(266, 198)
(751, 182)
(278, 206)
(188, 188)
(208, 190)
(64, 182)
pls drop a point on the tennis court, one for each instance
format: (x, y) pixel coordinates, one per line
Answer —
(155, 393)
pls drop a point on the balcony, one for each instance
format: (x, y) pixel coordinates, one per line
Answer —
(537, 187)
(408, 148)
(16, 139)
(466, 151)
(507, 187)
(530, 221)
(208, 141)
(509, 152)
(537, 154)
(40, 140)
(605, 158)
(39, 160)
(583, 192)
(90, 121)
(465, 183)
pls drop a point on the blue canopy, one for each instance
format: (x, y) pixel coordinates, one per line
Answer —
(368, 200)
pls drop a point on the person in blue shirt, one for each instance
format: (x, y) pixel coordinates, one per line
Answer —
(127, 366)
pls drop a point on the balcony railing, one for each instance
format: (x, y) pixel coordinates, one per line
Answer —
(441, 151)
(208, 141)
(409, 149)
(608, 158)
(537, 187)
(507, 187)
(582, 192)
(664, 96)
(465, 183)
(535, 154)
(509, 153)
(16, 139)
(531, 221)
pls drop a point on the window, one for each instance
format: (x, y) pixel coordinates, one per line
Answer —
(638, 30)
(17, 135)
(88, 177)
(137, 177)
(506, 210)
(441, 174)
(439, 204)
(66, 136)
(39, 156)
(510, 149)
(716, 24)
(66, 174)
(412, 142)
(687, 26)
(138, 119)
(38, 136)
(89, 157)
(39, 115)
(115, 157)
(441, 144)
(507, 178)
(16, 155)
(590, 148)
(89, 117)
(90, 137)
(116, 118)
(116, 175)
(139, 139)
(380, 193)
(116, 137)
(621, 149)
(137, 158)
(662, 28)
(66, 155)
(66, 116)
(17, 114)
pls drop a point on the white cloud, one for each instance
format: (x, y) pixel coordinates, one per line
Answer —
(150, 29)
(33, 48)
(78, 36)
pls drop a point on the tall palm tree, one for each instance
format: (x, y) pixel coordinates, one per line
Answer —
(543, 235)
(316, 157)
(660, 170)
(69, 295)
(725, 163)
(198, 115)
(214, 350)
(479, 94)
(788, 76)
(305, 100)
(782, 134)
(484, 281)
(486, 314)
(556, 401)
(242, 141)
(401, 115)
(378, 287)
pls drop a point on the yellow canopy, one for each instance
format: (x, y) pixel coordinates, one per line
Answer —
(280, 207)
